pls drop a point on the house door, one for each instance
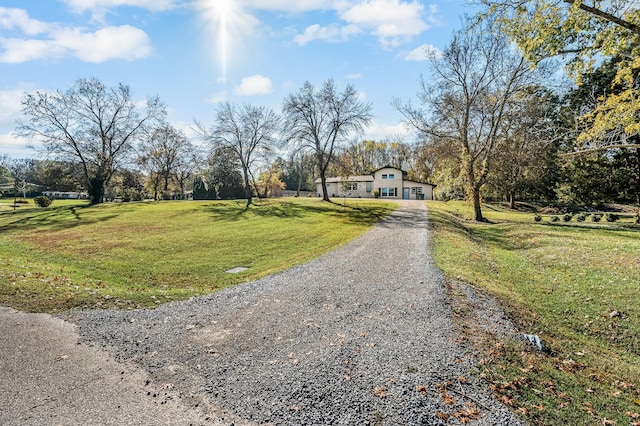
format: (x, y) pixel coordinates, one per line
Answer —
(405, 193)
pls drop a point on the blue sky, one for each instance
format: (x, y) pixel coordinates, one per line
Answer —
(194, 54)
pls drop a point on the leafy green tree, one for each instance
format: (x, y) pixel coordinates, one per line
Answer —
(54, 175)
(298, 172)
(221, 179)
(269, 182)
(525, 162)
(584, 34)
(128, 185)
(91, 124)
(6, 180)
(580, 102)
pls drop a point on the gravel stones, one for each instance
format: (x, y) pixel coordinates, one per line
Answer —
(360, 336)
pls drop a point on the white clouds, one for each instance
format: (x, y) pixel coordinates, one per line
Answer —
(423, 53)
(99, 8)
(123, 42)
(355, 76)
(84, 5)
(332, 33)
(291, 6)
(381, 131)
(217, 97)
(11, 106)
(107, 43)
(393, 21)
(254, 85)
(11, 19)
(9, 113)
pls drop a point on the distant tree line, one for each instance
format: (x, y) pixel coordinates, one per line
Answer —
(490, 123)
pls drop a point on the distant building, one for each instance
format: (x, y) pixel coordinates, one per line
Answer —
(389, 182)
(66, 195)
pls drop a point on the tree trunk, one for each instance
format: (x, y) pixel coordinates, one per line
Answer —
(477, 210)
(638, 185)
(323, 180)
(96, 190)
(247, 186)
(512, 200)
(299, 184)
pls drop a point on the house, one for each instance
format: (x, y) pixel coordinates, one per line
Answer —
(389, 182)
(59, 195)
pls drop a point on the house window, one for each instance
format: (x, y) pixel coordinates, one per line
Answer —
(384, 176)
(352, 186)
(328, 185)
(388, 192)
(369, 186)
(391, 176)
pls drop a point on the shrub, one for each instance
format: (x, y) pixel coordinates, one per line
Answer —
(42, 201)
(596, 217)
(537, 218)
(581, 217)
(567, 217)
(554, 218)
(376, 193)
(611, 217)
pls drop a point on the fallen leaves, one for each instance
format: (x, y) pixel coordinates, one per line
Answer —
(443, 389)
(442, 416)
(379, 392)
(588, 407)
(570, 366)
(506, 400)
(464, 414)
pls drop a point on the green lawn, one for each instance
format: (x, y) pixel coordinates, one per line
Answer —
(128, 255)
(577, 285)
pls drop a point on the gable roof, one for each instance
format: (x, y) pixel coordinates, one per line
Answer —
(404, 173)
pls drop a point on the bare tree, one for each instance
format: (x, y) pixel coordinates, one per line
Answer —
(89, 123)
(160, 152)
(475, 79)
(324, 119)
(247, 131)
(185, 169)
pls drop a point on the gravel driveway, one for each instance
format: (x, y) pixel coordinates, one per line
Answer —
(360, 336)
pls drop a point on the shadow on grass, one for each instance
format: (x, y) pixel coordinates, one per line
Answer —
(52, 218)
(233, 211)
(499, 234)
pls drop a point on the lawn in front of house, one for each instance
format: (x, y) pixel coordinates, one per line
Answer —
(577, 286)
(127, 255)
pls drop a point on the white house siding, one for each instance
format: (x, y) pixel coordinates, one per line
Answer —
(339, 187)
(414, 190)
(388, 181)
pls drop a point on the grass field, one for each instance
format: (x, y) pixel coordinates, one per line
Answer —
(129, 255)
(576, 285)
